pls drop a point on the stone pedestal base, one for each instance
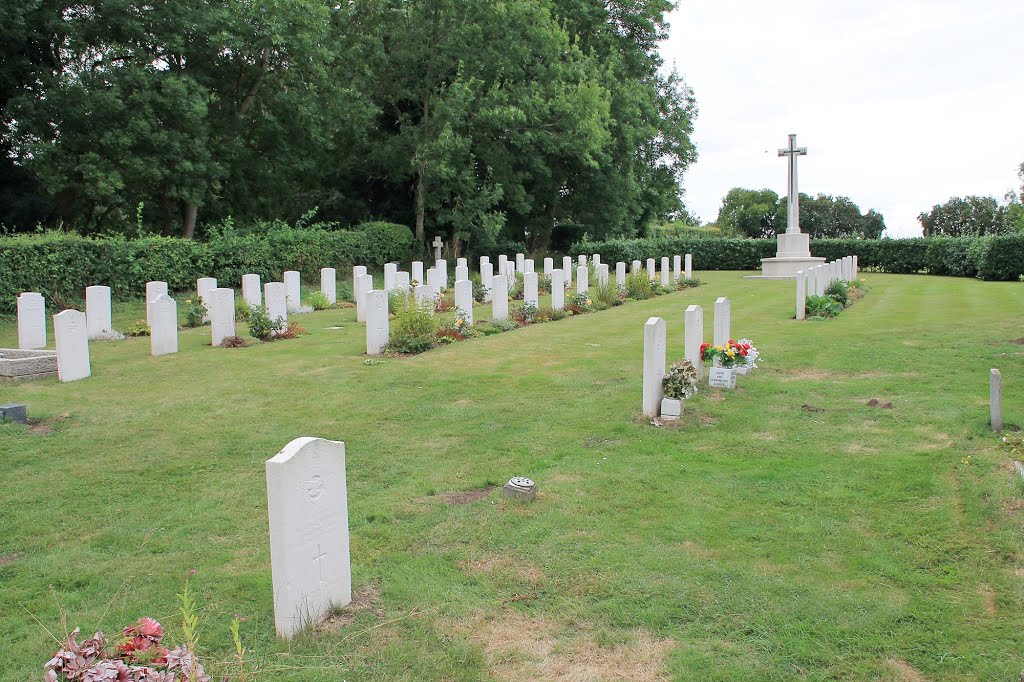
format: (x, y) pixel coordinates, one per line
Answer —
(793, 255)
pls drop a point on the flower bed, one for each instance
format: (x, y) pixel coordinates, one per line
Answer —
(839, 296)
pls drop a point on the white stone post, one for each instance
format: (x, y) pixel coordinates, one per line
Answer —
(664, 271)
(620, 275)
(163, 335)
(722, 313)
(557, 289)
(389, 275)
(520, 260)
(499, 298)
(97, 312)
(567, 269)
(688, 266)
(153, 289)
(549, 265)
(654, 366)
(222, 314)
(801, 296)
(441, 266)
(530, 295)
(652, 269)
(378, 328)
(677, 268)
(417, 272)
(292, 291)
(995, 389)
(72, 340)
(583, 280)
(693, 325)
(31, 321)
(251, 291)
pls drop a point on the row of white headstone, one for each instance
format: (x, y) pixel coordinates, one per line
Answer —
(814, 281)
(656, 343)
(372, 304)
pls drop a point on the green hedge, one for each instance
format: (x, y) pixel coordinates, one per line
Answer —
(62, 265)
(999, 257)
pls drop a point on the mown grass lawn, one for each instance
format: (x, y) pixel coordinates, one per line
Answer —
(787, 530)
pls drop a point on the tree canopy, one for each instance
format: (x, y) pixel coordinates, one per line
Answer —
(762, 213)
(483, 121)
(972, 216)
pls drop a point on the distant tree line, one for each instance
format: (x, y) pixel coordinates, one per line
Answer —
(975, 216)
(762, 213)
(480, 120)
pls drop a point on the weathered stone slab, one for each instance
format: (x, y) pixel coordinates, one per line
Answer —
(25, 365)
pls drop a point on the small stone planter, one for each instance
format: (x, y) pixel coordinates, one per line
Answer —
(24, 365)
(671, 409)
(721, 377)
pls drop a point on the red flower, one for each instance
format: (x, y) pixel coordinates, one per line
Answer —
(147, 627)
(743, 352)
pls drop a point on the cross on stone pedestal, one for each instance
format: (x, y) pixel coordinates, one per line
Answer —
(319, 561)
(437, 244)
(793, 203)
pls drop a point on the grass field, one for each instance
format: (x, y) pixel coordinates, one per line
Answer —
(784, 531)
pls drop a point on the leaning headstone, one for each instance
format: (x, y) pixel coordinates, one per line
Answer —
(801, 295)
(461, 272)
(567, 269)
(276, 301)
(499, 298)
(464, 298)
(204, 287)
(72, 339)
(688, 266)
(664, 271)
(222, 314)
(97, 312)
(557, 289)
(677, 268)
(583, 280)
(31, 321)
(530, 295)
(377, 325)
(620, 275)
(693, 325)
(292, 291)
(389, 275)
(153, 289)
(163, 334)
(252, 292)
(486, 277)
(995, 389)
(549, 265)
(307, 504)
(722, 314)
(329, 284)
(362, 284)
(654, 365)
(417, 272)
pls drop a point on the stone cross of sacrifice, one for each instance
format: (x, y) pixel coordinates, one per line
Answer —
(793, 205)
(437, 247)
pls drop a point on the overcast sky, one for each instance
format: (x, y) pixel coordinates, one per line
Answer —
(902, 104)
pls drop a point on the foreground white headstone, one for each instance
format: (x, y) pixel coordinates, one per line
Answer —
(153, 289)
(329, 284)
(688, 266)
(654, 365)
(69, 331)
(222, 314)
(801, 295)
(307, 503)
(163, 334)
(530, 289)
(693, 325)
(276, 301)
(378, 328)
(31, 321)
(292, 291)
(620, 275)
(499, 298)
(583, 280)
(722, 314)
(97, 312)
(204, 287)
(252, 292)
(557, 289)
(464, 298)
(567, 269)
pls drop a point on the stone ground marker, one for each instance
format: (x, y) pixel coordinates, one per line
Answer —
(31, 321)
(292, 291)
(693, 321)
(995, 390)
(163, 335)
(722, 314)
(654, 365)
(307, 504)
(378, 329)
(557, 289)
(97, 312)
(329, 284)
(222, 314)
(251, 291)
(69, 330)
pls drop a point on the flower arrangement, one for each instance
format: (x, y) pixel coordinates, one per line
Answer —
(730, 355)
(461, 323)
(752, 354)
(578, 303)
(680, 382)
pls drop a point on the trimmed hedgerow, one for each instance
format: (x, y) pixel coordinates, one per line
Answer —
(61, 265)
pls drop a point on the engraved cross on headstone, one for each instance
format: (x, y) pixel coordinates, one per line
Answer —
(793, 204)
(319, 561)
(437, 247)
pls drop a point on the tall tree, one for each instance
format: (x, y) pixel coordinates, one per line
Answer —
(965, 217)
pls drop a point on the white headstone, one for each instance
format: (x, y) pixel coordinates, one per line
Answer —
(652, 270)
(307, 502)
(520, 259)
(635, 266)
(252, 292)
(583, 280)
(688, 266)
(163, 336)
(276, 301)
(995, 399)
(153, 289)
(31, 321)
(424, 297)
(567, 269)
(97, 312)
(801, 295)
(502, 259)
(292, 291)
(620, 275)
(222, 314)
(360, 286)
(549, 265)
(389, 275)
(528, 265)
(329, 284)
(378, 328)
(856, 267)
(72, 339)
(357, 271)
(557, 289)
(461, 263)
(432, 281)
(677, 268)
(693, 324)
(417, 272)
(461, 272)
(664, 272)
(581, 260)
(602, 275)
(530, 288)
(499, 298)
(464, 298)
(722, 313)
(204, 286)
(442, 274)
(596, 259)
(654, 365)
(403, 283)
(486, 277)
(484, 259)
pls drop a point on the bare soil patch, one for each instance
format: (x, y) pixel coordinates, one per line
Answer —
(811, 408)
(988, 599)
(875, 402)
(363, 599)
(43, 427)
(9, 558)
(904, 672)
(1019, 342)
